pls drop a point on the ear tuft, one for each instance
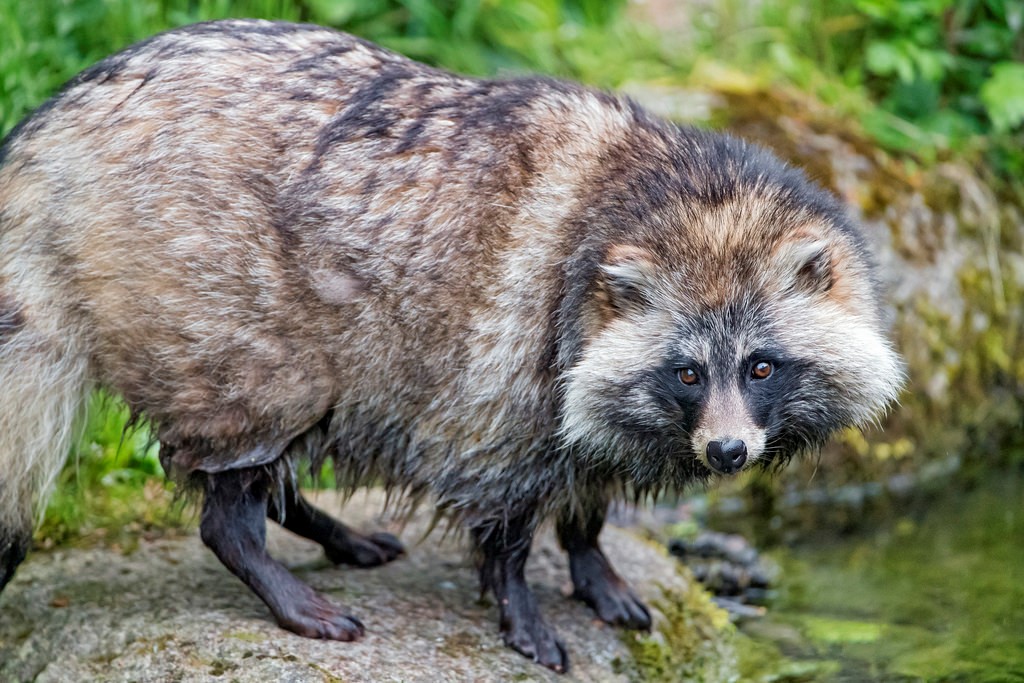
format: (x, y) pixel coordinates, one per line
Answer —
(628, 276)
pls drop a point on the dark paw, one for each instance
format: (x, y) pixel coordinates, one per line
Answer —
(616, 604)
(597, 584)
(538, 642)
(317, 617)
(364, 551)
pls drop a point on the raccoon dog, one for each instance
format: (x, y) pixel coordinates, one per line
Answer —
(514, 298)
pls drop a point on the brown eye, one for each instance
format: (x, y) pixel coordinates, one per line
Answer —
(762, 370)
(688, 376)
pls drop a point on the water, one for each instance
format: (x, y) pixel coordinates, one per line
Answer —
(935, 594)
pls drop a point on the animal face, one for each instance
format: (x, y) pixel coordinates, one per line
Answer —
(726, 338)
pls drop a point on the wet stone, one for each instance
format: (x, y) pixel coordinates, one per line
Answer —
(731, 569)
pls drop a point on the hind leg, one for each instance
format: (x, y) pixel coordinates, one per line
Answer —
(594, 580)
(341, 544)
(233, 525)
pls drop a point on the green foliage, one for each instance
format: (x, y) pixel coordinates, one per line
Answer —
(1003, 96)
(43, 43)
(932, 61)
(923, 76)
(115, 487)
(486, 36)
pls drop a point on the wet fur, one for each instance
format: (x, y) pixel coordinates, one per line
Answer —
(279, 242)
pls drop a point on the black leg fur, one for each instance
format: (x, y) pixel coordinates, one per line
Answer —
(14, 545)
(341, 544)
(504, 552)
(233, 525)
(594, 581)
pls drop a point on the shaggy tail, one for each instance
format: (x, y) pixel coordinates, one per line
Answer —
(43, 386)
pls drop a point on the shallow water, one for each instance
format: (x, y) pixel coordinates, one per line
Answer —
(934, 594)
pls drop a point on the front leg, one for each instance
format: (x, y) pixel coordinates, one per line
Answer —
(594, 581)
(233, 525)
(504, 549)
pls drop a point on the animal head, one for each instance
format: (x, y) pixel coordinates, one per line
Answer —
(734, 322)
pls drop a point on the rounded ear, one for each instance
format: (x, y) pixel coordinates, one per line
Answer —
(807, 266)
(628, 274)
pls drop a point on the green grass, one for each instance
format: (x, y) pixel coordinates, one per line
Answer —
(113, 488)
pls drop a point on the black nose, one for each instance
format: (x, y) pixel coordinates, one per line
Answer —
(727, 457)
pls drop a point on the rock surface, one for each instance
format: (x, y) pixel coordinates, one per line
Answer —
(170, 612)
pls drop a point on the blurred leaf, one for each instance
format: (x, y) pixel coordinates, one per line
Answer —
(915, 99)
(886, 59)
(896, 133)
(1003, 96)
(335, 12)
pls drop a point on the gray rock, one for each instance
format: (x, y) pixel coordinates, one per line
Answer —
(170, 612)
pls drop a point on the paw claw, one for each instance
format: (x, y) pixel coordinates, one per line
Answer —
(318, 617)
(539, 644)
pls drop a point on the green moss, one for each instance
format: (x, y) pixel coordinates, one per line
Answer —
(694, 641)
(158, 644)
(328, 677)
(219, 667)
(104, 658)
(691, 642)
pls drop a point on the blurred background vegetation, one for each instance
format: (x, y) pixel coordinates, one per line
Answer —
(920, 82)
(928, 76)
